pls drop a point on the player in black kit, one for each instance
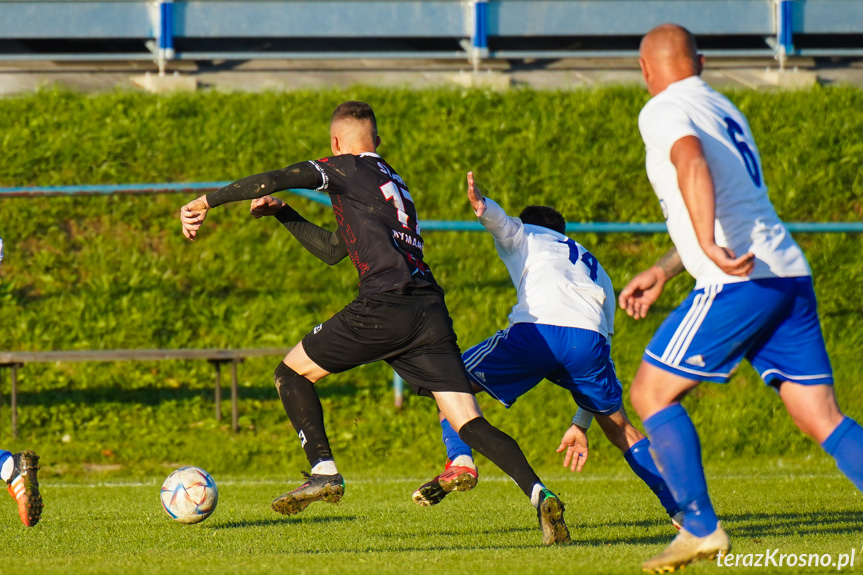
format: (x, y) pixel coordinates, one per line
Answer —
(399, 316)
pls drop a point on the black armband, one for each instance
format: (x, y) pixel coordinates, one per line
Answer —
(300, 175)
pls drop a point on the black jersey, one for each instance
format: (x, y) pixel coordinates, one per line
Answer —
(377, 221)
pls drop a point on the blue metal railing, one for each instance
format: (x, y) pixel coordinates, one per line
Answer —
(426, 225)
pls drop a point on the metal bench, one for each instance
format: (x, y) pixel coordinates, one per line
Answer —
(13, 360)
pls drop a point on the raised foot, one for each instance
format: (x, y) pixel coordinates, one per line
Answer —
(24, 487)
(454, 478)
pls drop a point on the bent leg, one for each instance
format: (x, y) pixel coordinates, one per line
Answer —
(816, 413)
(636, 451)
(462, 411)
(295, 377)
(674, 443)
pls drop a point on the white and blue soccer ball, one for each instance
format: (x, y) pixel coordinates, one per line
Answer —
(189, 495)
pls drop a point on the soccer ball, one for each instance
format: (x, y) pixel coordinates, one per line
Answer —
(189, 495)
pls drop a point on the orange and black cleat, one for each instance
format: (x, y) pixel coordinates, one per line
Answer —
(24, 487)
(454, 478)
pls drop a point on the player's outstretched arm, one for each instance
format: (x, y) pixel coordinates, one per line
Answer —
(645, 288)
(300, 175)
(493, 218)
(696, 187)
(321, 243)
(474, 195)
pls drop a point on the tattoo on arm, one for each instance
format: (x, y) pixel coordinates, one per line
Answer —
(670, 263)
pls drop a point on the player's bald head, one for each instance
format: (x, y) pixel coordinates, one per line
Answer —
(668, 53)
(670, 43)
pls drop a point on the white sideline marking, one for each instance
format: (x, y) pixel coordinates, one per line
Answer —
(496, 479)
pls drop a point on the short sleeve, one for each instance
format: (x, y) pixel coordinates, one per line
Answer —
(662, 123)
(336, 171)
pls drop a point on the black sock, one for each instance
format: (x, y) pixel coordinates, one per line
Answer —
(304, 409)
(500, 449)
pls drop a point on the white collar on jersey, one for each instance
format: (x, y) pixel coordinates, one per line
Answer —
(372, 154)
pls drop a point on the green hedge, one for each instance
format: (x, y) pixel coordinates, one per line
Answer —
(115, 272)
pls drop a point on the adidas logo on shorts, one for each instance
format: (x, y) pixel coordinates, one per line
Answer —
(696, 360)
(479, 375)
(318, 327)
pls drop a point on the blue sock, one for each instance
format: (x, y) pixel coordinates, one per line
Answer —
(677, 453)
(639, 459)
(845, 444)
(454, 445)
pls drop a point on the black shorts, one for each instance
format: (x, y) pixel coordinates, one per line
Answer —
(412, 333)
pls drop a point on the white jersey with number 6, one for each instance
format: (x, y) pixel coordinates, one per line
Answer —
(558, 281)
(745, 218)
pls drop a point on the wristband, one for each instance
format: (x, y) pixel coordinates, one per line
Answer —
(582, 418)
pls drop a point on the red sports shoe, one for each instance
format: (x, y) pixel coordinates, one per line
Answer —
(454, 478)
(24, 487)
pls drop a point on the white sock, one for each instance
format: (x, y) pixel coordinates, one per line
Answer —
(325, 468)
(7, 465)
(534, 494)
(464, 461)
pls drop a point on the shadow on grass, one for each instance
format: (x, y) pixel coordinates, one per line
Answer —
(755, 525)
(282, 521)
(749, 525)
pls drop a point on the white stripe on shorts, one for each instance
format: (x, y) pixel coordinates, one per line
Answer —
(793, 378)
(485, 349)
(682, 327)
(679, 344)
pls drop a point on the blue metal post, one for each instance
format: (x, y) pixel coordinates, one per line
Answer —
(398, 389)
(784, 30)
(165, 39)
(479, 33)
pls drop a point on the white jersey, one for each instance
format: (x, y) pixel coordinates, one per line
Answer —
(745, 218)
(558, 281)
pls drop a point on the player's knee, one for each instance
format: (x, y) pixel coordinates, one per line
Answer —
(283, 375)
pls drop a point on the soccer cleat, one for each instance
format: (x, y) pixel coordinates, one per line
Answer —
(550, 514)
(24, 487)
(686, 548)
(329, 488)
(454, 478)
(677, 520)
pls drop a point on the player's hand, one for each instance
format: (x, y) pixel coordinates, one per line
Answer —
(641, 292)
(477, 201)
(266, 206)
(729, 263)
(192, 216)
(574, 441)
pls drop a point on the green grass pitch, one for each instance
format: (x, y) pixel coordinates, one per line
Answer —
(615, 522)
(114, 272)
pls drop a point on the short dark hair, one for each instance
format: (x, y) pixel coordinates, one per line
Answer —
(359, 111)
(543, 216)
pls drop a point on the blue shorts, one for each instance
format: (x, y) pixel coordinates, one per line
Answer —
(773, 323)
(515, 359)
